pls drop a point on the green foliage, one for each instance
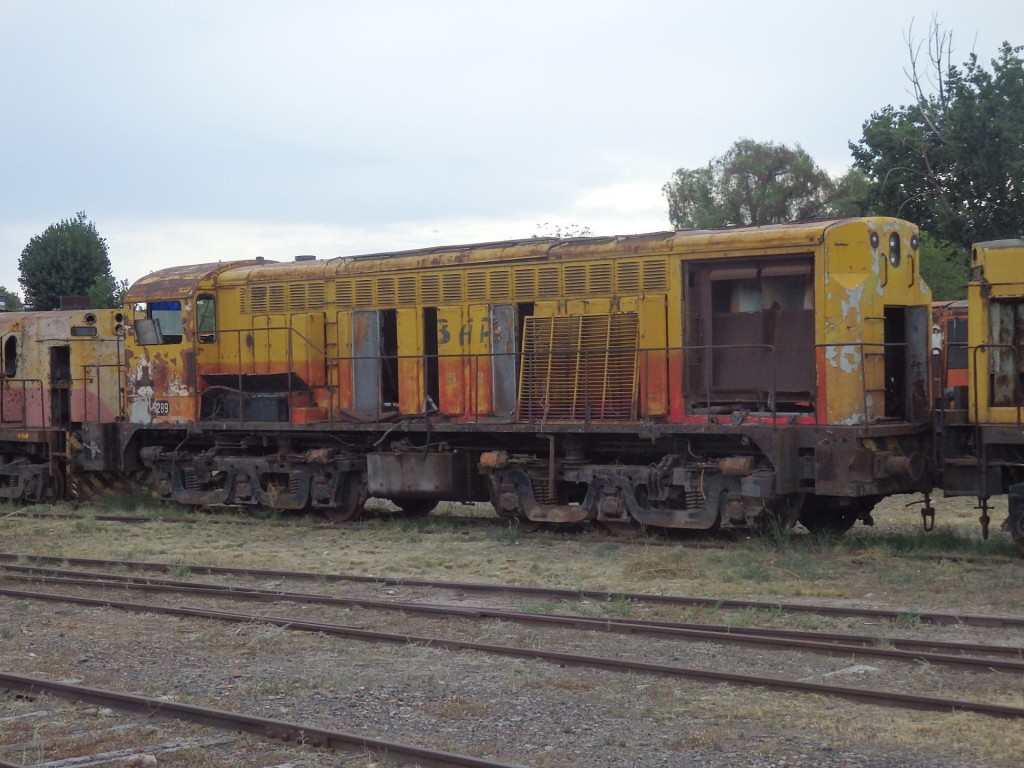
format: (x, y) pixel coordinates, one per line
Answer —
(65, 260)
(752, 183)
(851, 195)
(945, 267)
(954, 160)
(12, 301)
(106, 292)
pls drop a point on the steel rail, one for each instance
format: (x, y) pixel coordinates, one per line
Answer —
(266, 728)
(881, 614)
(826, 643)
(860, 695)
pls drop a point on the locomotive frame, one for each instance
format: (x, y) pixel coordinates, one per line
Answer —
(730, 378)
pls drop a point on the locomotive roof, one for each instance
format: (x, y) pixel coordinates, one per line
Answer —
(179, 282)
(1014, 242)
(13, 321)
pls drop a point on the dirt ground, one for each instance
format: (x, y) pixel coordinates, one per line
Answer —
(533, 713)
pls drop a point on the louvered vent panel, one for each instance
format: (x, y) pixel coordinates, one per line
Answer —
(575, 280)
(451, 288)
(243, 301)
(655, 278)
(387, 294)
(600, 279)
(276, 299)
(500, 285)
(316, 296)
(258, 293)
(476, 286)
(627, 278)
(549, 283)
(296, 297)
(525, 283)
(407, 289)
(579, 367)
(430, 290)
(344, 294)
(364, 292)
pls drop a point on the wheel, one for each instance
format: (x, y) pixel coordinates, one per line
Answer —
(57, 486)
(350, 501)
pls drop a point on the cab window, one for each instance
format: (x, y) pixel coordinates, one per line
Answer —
(160, 322)
(206, 318)
(11, 357)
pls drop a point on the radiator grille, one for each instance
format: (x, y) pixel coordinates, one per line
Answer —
(579, 367)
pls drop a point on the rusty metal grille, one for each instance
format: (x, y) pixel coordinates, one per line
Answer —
(655, 276)
(277, 301)
(500, 285)
(316, 296)
(451, 288)
(579, 367)
(575, 279)
(525, 283)
(549, 282)
(476, 286)
(258, 294)
(600, 278)
(296, 297)
(343, 292)
(243, 301)
(407, 290)
(627, 278)
(386, 292)
(430, 290)
(364, 292)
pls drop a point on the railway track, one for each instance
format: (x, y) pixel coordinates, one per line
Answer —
(545, 593)
(844, 646)
(990, 657)
(279, 731)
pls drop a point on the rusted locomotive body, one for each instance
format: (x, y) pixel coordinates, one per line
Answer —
(981, 431)
(684, 379)
(60, 399)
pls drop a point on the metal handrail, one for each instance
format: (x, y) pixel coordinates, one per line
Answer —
(585, 407)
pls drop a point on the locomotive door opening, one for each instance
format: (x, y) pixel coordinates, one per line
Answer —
(907, 331)
(431, 374)
(60, 386)
(750, 335)
(375, 363)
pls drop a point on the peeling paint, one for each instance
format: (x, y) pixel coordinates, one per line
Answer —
(846, 358)
(854, 420)
(140, 391)
(854, 296)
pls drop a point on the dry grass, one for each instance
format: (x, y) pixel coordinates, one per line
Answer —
(894, 564)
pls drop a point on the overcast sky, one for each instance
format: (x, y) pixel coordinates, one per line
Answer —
(212, 130)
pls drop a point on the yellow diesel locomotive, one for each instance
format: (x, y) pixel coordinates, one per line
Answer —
(981, 433)
(698, 379)
(60, 400)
